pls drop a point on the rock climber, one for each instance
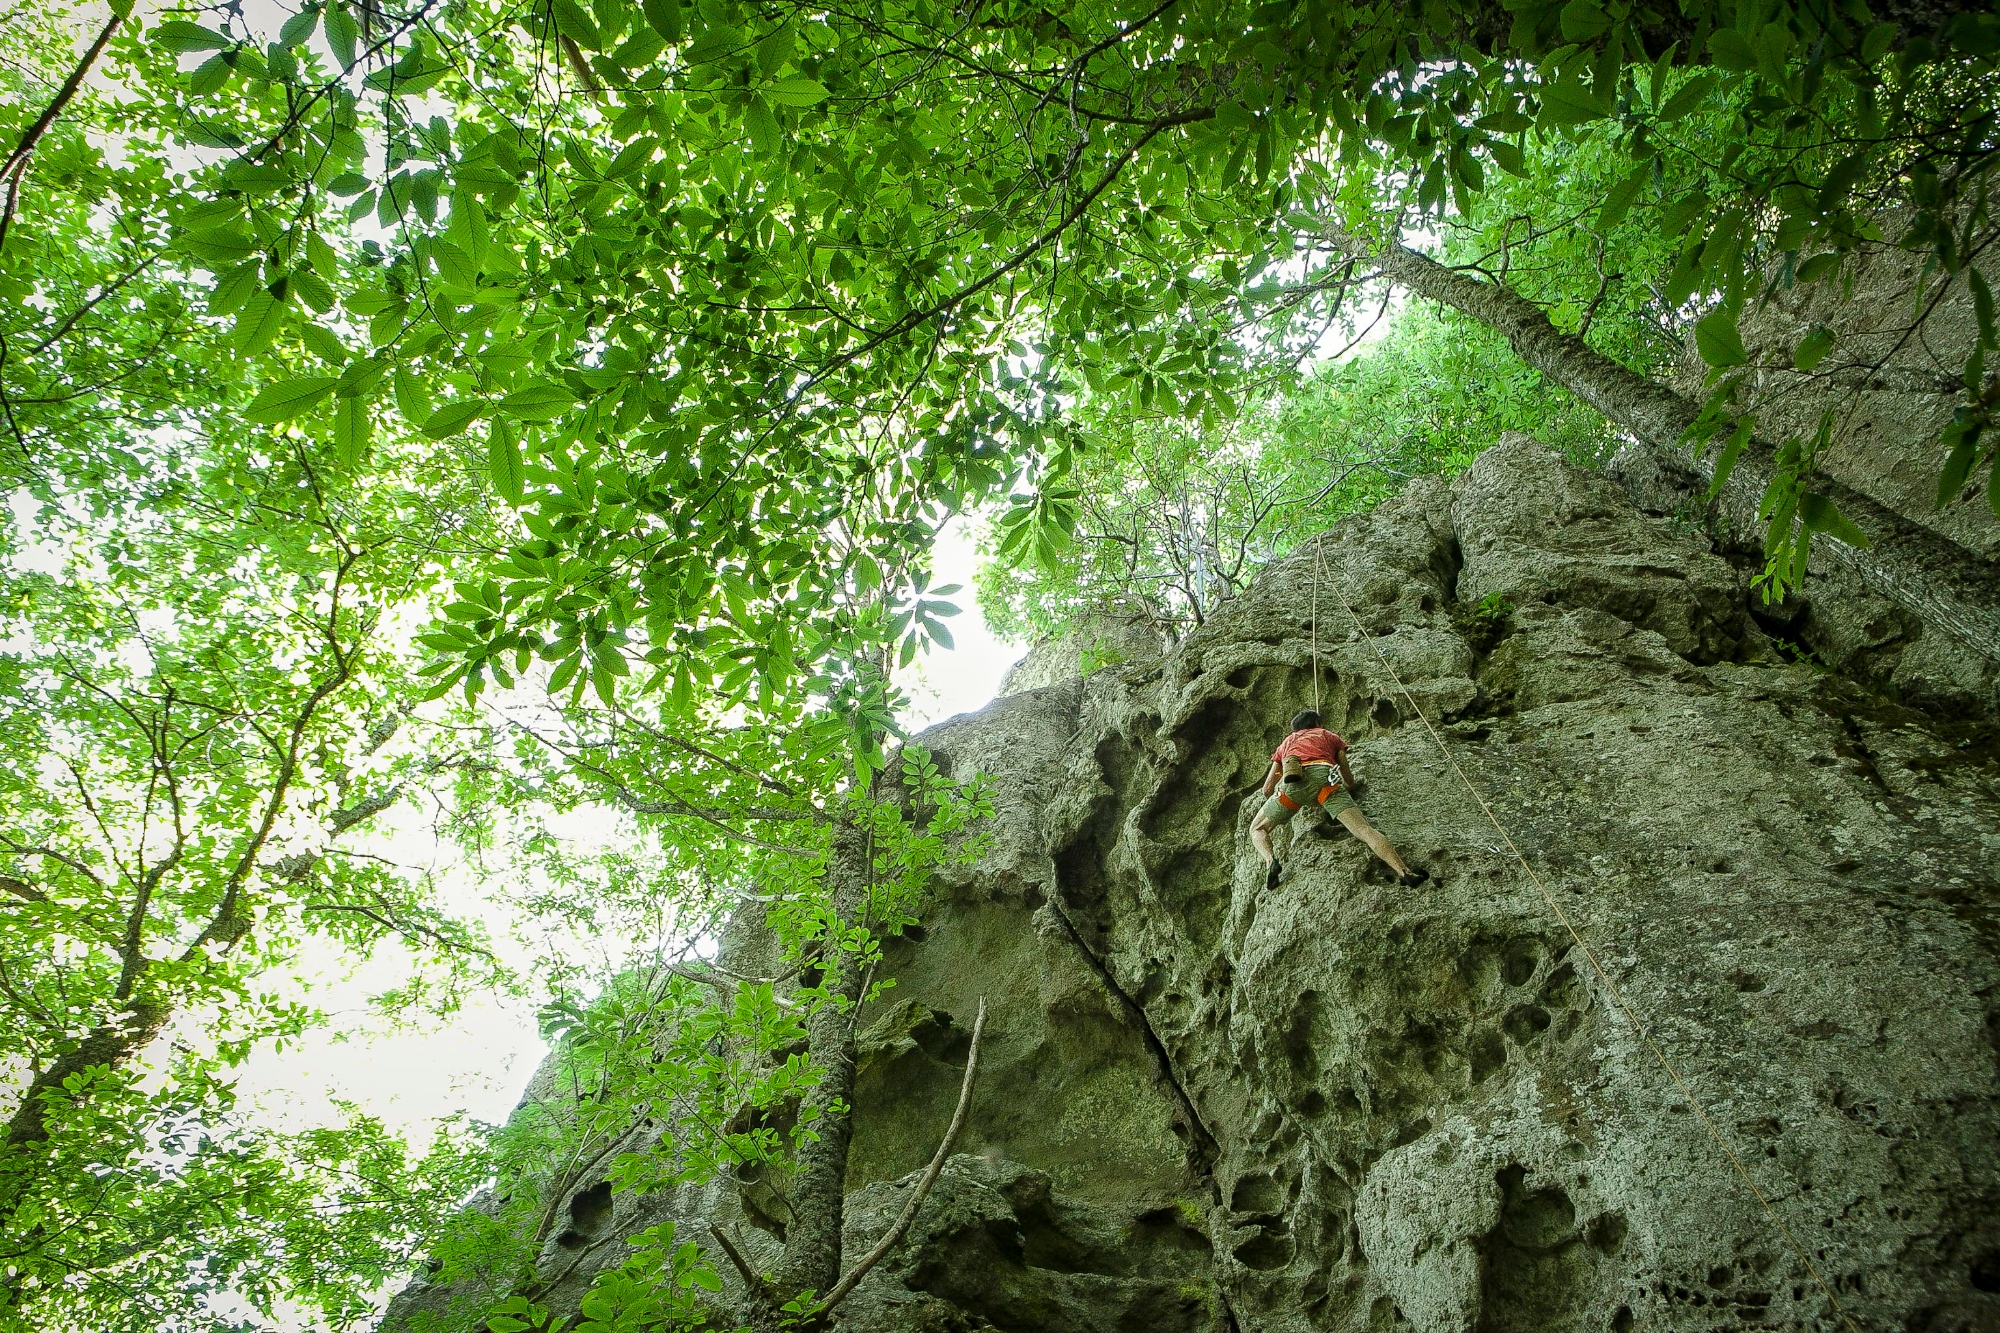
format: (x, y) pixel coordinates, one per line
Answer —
(1311, 763)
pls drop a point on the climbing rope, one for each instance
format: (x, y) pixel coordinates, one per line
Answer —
(1319, 568)
(1610, 986)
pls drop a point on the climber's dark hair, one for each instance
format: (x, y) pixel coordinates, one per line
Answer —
(1306, 720)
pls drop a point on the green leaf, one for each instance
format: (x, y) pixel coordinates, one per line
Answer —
(774, 49)
(665, 16)
(1717, 340)
(235, 287)
(342, 35)
(1732, 50)
(311, 289)
(1963, 438)
(796, 92)
(1982, 309)
(1877, 42)
(503, 461)
(1568, 103)
(763, 127)
(322, 343)
(258, 322)
(413, 400)
(1820, 514)
(351, 425)
(181, 37)
(1691, 95)
(1584, 21)
(467, 228)
(209, 76)
(1841, 180)
(640, 49)
(1680, 213)
(576, 25)
(411, 75)
(299, 27)
(453, 417)
(289, 398)
(1619, 201)
(1725, 462)
(1812, 348)
(543, 400)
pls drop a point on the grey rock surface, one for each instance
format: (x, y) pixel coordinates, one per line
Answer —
(1108, 639)
(1346, 1105)
(1891, 382)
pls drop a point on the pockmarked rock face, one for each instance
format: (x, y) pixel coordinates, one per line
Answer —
(1345, 1105)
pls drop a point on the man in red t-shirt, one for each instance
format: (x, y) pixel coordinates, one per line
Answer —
(1311, 763)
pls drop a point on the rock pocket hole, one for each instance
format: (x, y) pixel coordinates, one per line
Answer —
(1256, 1193)
(1562, 989)
(1985, 1271)
(1518, 966)
(1298, 1040)
(1526, 1022)
(1488, 1054)
(1264, 1251)
(589, 1216)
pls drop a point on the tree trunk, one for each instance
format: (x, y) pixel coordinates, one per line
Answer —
(1933, 578)
(819, 1177)
(109, 1044)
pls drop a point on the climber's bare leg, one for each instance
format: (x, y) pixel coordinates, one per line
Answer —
(1260, 838)
(1357, 824)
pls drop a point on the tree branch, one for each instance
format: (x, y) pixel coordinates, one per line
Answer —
(33, 134)
(1926, 574)
(895, 1233)
(758, 1288)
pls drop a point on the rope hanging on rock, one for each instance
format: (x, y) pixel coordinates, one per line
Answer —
(1319, 565)
(1610, 986)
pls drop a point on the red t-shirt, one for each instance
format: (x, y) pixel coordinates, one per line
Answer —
(1315, 745)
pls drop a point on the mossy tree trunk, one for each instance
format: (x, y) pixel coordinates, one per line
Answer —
(1928, 575)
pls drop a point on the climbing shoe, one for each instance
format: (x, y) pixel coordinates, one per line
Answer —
(1271, 875)
(1414, 878)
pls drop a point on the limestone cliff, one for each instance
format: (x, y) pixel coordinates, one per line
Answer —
(1343, 1105)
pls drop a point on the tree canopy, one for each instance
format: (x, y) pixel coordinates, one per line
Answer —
(491, 414)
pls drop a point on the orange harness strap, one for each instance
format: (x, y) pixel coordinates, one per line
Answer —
(1291, 804)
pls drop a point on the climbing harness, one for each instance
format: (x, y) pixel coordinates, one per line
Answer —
(1610, 986)
(1319, 797)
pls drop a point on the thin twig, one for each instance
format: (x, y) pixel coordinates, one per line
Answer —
(895, 1233)
(33, 134)
(756, 1284)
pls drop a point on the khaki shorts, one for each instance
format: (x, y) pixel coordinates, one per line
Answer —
(1318, 778)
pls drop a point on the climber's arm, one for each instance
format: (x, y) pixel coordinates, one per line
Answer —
(1346, 773)
(1271, 778)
